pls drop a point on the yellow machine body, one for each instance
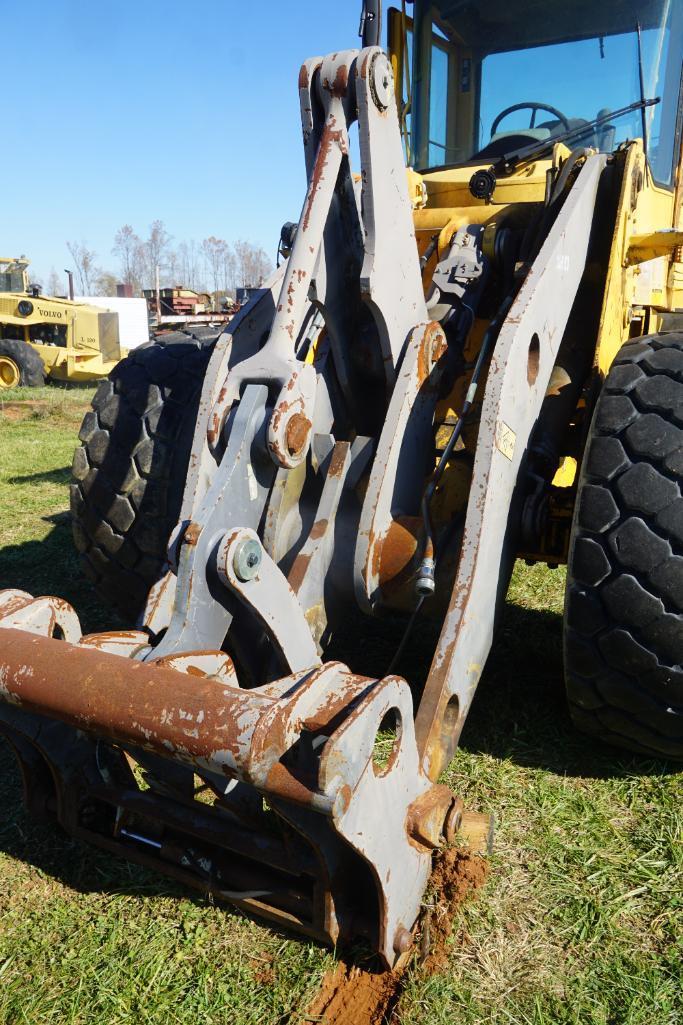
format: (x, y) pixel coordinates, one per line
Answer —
(75, 341)
(642, 290)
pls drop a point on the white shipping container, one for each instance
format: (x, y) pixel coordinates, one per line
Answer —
(133, 322)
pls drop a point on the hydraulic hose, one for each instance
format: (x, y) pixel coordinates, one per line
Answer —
(425, 583)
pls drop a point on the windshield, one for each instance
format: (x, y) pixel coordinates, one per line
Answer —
(489, 78)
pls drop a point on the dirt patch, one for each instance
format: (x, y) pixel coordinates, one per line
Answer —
(350, 995)
(22, 410)
(456, 874)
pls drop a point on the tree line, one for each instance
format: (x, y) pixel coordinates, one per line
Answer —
(212, 265)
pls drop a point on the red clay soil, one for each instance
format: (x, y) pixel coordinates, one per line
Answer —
(456, 874)
(350, 995)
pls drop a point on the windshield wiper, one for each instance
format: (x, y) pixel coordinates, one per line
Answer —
(508, 161)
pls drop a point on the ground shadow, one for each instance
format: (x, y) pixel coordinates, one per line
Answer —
(46, 847)
(52, 566)
(519, 711)
(62, 475)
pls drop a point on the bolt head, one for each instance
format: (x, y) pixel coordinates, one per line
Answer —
(246, 561)
(403, 940)
(297, 434)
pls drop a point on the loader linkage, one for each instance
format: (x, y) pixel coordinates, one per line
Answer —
(215, 742)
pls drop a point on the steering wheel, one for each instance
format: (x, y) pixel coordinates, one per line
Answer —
(533, 107)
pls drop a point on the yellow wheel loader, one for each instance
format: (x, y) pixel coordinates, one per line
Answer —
(471, 360)
(44, 337)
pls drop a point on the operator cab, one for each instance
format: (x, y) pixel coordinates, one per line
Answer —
(481, 80)
(13, 275)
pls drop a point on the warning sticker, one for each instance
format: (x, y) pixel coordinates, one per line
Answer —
(505, 439)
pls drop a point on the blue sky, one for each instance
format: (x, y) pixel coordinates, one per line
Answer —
(125, 112)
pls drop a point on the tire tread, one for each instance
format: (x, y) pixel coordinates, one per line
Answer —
(623, 636)
(129, 472)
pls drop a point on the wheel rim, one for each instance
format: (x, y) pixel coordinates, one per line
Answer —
(10, 374)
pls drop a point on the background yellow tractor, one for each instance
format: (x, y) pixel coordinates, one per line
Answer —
(45, 337)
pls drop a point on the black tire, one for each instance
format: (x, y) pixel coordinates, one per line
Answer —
(29, 364)
(624, 602)
(130, 470)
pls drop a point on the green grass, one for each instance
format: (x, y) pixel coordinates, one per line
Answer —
(580, 921)
(36, 448)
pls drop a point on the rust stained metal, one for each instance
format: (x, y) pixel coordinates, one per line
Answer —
(192, 533)
(297, 432)
(282, 783)
(512, 401)
(214, 665)
(339, 85)
(318, 529)
(158, 709)
(337, 461)
(118, 642)
(331, 137)
(47, 615)
(298, 571)
(217, 418)
(429, 814)
(411, 409)
(304, 741)
(397, 552)
(313, 705)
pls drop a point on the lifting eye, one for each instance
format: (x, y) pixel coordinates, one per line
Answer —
(25, 308)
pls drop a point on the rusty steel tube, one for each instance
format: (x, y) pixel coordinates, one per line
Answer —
(188, 718)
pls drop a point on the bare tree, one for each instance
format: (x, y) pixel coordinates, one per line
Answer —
(188, 265)
(253, 265)
(213, 265)
(105, 283)
(55, 284)
(129, 249)
(229, 271)
(156, 249)
(84, 262)
(215, 251)
(172, 267)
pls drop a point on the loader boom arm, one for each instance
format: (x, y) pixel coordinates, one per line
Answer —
(521, 366)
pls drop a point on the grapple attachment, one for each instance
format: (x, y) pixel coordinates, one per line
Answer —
(270, 798)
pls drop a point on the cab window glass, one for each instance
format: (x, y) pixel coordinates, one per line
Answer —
(438, 108)
(572, 68)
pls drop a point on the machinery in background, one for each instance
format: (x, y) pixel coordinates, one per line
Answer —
(43, 337)
(183, 309)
